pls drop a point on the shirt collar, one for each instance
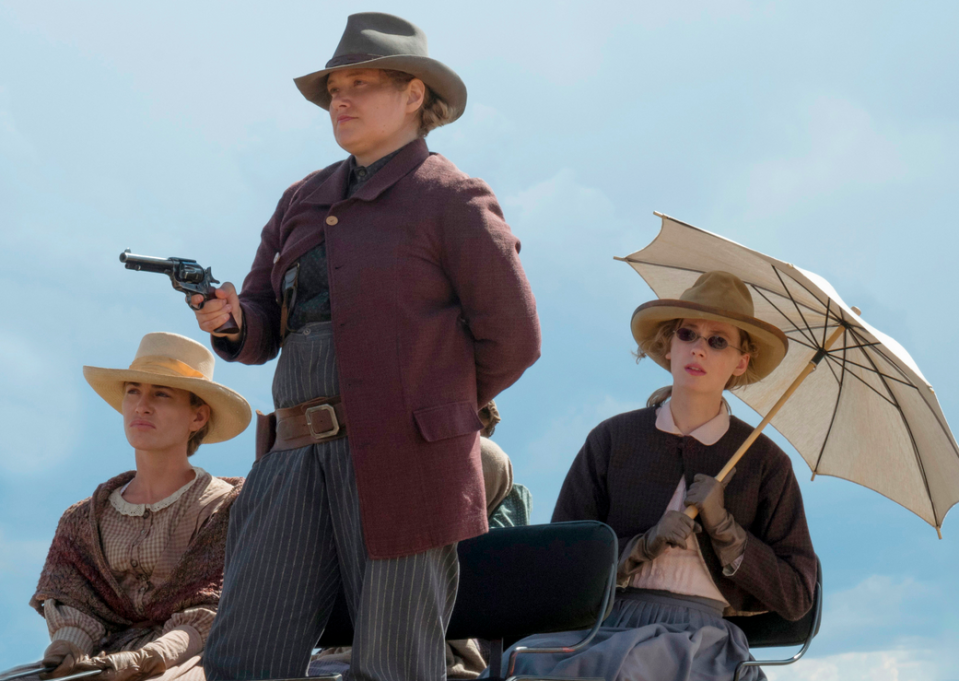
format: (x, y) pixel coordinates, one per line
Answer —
(124, 507)
(360, 174)
(708, 434)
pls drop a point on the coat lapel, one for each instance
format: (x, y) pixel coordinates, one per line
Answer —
(333, 190)
(409, 158)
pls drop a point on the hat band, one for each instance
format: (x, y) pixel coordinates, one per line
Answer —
(345, 59)
(166, 366)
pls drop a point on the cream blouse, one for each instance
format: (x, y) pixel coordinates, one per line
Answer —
(683, 570)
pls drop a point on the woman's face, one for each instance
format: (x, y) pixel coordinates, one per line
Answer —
(699, 368)
(158, 418)
(370, 113)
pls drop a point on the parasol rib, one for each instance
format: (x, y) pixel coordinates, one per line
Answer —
(835, 410)
(632, 261)
(912, 441)
(795, 326)
(942, 425)
(825, 324)
(861, 380)
(833, 358)
(795, 304)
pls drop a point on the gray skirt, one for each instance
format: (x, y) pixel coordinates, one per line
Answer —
(648, 636)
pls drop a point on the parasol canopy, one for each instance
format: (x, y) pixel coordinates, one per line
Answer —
(867, 414)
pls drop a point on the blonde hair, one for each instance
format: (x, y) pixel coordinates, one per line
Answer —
(434, 112)
(660, 342)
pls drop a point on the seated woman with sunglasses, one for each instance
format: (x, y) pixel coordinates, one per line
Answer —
(750, 550)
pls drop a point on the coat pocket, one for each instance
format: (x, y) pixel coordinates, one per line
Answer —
(447, 420)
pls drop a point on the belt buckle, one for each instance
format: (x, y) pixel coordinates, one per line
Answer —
(327, 433)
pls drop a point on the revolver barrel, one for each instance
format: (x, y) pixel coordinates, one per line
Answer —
(146, 263)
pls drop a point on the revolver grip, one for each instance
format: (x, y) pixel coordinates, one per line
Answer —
(229, 327)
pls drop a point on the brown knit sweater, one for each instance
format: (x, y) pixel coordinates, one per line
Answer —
(627, 471)
(77, 574)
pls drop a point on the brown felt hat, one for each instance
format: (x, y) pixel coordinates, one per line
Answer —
(719, 297)
(373, 40)
(176, 362)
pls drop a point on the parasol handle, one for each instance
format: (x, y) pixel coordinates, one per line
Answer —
(692, 511)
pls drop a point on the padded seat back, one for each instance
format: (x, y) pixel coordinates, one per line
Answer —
(517, 581)
(771, 630)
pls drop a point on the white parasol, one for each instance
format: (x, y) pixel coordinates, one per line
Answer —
(867, 414)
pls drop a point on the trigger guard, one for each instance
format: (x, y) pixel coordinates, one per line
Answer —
(195, 308)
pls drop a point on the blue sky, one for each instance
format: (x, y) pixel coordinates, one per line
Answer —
(824, 134)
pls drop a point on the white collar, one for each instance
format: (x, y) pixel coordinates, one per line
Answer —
(708, 434)
(124, 507)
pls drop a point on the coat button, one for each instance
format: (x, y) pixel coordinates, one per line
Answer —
(331, 220)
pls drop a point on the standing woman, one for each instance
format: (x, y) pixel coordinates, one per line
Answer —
(750, 550)
(134, 573)
(393, 286)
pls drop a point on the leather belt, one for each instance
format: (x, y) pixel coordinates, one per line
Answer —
(319, 420)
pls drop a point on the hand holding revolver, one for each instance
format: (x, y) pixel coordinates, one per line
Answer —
(191, 278)
(216, 311)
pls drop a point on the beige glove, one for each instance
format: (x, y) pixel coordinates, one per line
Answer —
(64, 656)
(131, 665)
(673, 529)
(726, 535)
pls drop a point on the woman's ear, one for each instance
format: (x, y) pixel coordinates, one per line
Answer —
(742, 365)
(417, 93)
(200, 418)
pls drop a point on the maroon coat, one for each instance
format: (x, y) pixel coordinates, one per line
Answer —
(432, 317)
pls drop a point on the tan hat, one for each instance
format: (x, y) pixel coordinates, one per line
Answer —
(718, 297)
(374, 40)
(176, 362)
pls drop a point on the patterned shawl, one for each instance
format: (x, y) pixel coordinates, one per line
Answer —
(77, 574)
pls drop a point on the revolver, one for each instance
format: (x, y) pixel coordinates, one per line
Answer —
(187, 276)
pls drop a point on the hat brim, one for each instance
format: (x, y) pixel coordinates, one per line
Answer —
(773, 343)
(440, 78)
(230, 415)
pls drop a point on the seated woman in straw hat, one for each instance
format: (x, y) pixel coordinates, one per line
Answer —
(750, 549)
(133, 577)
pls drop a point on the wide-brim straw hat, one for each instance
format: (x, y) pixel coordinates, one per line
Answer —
(373, 40)
(718, 297)
(176, 362)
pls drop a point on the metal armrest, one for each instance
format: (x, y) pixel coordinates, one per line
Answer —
(817, 618)
(607, 601)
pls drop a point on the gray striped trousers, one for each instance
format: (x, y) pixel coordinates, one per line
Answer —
(295, 540)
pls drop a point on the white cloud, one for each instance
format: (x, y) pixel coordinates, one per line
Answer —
(879, 601)
(556, 447)
(884, 665)
(840, 147)
(480, 143)
(570, 233)
(876, 623)
(39, 405)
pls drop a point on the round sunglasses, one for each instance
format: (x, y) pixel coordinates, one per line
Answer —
(715, 342)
